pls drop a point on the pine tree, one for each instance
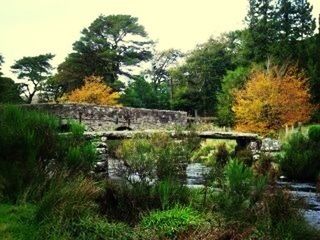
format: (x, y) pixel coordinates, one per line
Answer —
(305, 23)
(260, 19)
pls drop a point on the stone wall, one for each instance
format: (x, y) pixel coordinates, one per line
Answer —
(103, 118)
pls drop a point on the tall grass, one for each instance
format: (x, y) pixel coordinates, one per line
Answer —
(28, 140)
(32, 150)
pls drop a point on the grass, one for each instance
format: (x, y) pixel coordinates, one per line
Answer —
(16, 222)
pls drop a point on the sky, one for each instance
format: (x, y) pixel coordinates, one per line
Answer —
(33, 27)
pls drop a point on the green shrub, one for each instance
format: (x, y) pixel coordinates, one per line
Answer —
(67, 198)
(95, 228)
(28, 140)
(204, 154)
(170, 193)
(127, 202)
(245, 156)
(222, 154)
(300, 160)
(66, 201)
(314, 133)
(169, 223)
(31, 148)
(158, 157)
(138, 157)
(240, 190)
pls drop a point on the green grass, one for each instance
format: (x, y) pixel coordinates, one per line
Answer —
(16, 222)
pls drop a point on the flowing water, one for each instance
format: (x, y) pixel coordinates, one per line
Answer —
(196, 176)
(306, 191)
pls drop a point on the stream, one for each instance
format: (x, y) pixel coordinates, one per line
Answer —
(307, 191)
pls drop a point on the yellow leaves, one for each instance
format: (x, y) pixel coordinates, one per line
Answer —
(271, 99)
(93, 91)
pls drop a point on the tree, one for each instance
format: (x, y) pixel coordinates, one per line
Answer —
(271, 99)
(261, 32)
(1, 61)
(286, 18)
(305, 22)
(161, 63)
(142, 94)
(93, 91)
(52, 90)
(34, 70)
(232, 81)
(107, 48)
(294, 23)
(198, 80)
(9, 90)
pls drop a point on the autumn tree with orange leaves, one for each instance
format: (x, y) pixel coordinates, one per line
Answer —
(271, 99)
(93, 91)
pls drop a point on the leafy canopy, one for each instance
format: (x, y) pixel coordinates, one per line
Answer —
(33, 70)
(107, 48)
(271, 99)
(93, 91)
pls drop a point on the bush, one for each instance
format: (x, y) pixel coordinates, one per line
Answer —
(138, 157)
(95, 228)
(67, 198)
(28, 140)
(167, 224)
(314, 133)
(245, 156)
(222, 154)
(240, 190)
(170, 193)
(127, 202)
(66, 201)
(300, 160)
(158, 157)
(31, 149)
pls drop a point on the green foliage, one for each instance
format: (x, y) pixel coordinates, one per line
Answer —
(27, 140)
(261, 30)
(240, 190)
(232, 80)
(170, 193)
(126, 202)
(301, 154)
(138, 156)
(16, 222)
(67, 198)
(167, 224)
(31, 148)
(106, 48)
(9, 91)
(159, 157)
(198, 81)
(34, 70)
(222, 155)
(314, 133)
(1, 61)
(142, 94)
(95, 228)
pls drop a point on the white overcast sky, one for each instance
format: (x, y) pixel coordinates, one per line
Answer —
(32, 27)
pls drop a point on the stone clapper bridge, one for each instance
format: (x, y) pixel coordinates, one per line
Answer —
(109, 123)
